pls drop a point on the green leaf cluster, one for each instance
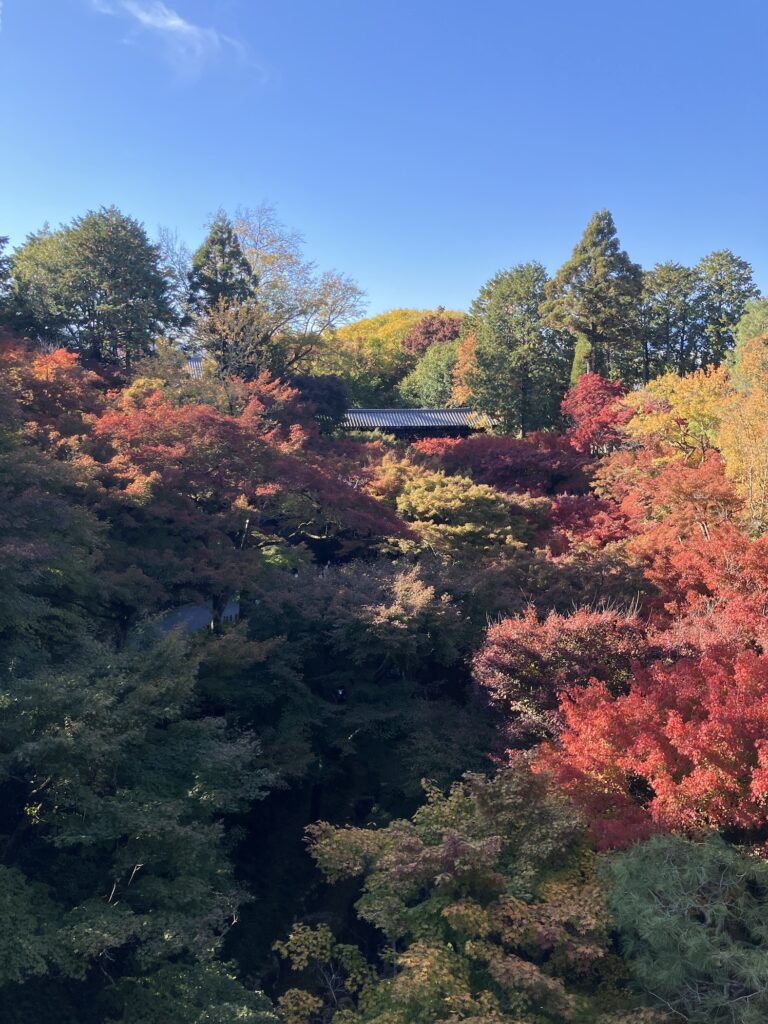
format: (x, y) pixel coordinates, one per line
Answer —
(490, 904)
(94, 285)
(691, 915)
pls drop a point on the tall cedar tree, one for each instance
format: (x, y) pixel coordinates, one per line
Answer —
(94, 285)
(521, 365)
(595, 297)
(220, 269)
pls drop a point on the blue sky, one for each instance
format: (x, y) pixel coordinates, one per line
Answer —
(419, 145)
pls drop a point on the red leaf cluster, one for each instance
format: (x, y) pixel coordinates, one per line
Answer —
(585, 519)
(542, 463)
(434, 328)
(596, 415)
(213, 484)
(526, 662)
(685, 748)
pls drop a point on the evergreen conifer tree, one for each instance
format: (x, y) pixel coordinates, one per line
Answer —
(595, 297)
(220, 269)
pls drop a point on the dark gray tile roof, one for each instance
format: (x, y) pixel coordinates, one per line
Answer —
(415, 419)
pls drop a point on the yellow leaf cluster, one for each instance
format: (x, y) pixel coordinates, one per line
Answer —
(389, 328)
(743, 432)
(681, 412)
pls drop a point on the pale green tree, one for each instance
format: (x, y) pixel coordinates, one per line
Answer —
(521, 364)
(430, 382)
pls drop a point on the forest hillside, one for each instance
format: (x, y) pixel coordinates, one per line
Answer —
(305, 725)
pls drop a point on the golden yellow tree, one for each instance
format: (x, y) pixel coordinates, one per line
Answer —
(369, 354)
(683, 413)
(466, 363)
(743, 431)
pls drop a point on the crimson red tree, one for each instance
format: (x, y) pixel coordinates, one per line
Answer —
(434, 328)
(542, 463)
(596, 416)
(526, 662)
(686, 748)
(195, 496)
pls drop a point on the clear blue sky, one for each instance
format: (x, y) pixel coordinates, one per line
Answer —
(419, 145)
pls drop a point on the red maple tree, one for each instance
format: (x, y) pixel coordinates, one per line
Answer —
(686, 748)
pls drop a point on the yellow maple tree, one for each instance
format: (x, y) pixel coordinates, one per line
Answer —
(743, 431)
(683, 413)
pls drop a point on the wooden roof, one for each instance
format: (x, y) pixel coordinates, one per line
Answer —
(415, 419)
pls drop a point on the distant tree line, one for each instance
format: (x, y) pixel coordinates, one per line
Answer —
(530, 336)
(247, 298)
(250, 302)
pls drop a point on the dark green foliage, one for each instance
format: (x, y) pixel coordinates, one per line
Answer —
(692, 917)
(595, 297)
(49, 546)
(690, 317)
(326, 395)
(193, 994)
(394, 646)
(522, 365)
(94, 285)
(113, 790)
(669, 319)
(355, 679)
(220, 270)
(726, 285)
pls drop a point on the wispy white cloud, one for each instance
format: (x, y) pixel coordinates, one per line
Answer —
(188, 45)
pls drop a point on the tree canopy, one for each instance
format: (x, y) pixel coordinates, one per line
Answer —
(520, 367)
(301, 725)
(94, 285)
(595, 298)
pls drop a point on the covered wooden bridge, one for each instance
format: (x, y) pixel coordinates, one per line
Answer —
(417, 423)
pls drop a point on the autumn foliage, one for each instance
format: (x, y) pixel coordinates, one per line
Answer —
(540, 463)
(526, 663)
(580, 615)
(686, 748)
(434, 328)
(595, 413)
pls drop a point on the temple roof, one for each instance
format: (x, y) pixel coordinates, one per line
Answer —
(415, 419)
